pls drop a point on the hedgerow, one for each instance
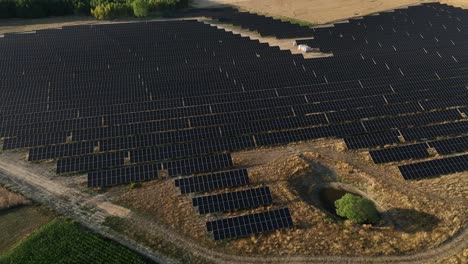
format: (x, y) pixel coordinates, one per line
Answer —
(111, 10)
(101, 9)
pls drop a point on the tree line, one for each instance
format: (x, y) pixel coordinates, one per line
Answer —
(101, 9)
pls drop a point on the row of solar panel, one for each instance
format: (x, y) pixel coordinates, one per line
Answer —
(370, 125)
(230, 201)
(250, 224)
(420, 150)
(434, 167)
(197, 148)
(123, 174)
(409, 134)
(213, 181)
(12, 128)
(12, 121)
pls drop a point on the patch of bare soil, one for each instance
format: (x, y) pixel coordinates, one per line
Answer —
(9, 199)
(418, 214)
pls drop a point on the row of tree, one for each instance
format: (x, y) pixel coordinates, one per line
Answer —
(101, 9)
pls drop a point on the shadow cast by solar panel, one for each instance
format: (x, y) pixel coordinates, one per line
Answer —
(410, 220)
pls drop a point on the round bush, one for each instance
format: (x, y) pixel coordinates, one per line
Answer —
(111, 11)
(357, 209)
(140, 8)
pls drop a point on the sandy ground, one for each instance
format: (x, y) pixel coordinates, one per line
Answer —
(320, 11)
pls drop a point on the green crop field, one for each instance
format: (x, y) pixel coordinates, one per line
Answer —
(62, 241)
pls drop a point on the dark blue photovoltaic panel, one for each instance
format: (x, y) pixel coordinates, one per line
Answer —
(434, 167)
(230, 201)
(123, 175)
(213, 181)
(452, 145)
(200, 164)
(372, 140)
(400, 153)
(250, 224)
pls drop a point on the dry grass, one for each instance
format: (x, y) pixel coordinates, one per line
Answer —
(413, 222)
(322, 11)
(9, 199)
(459, 258)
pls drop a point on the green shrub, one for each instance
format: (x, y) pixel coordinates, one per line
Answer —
(140, 8)
(111, 11)
(357, 209)
(7, 8)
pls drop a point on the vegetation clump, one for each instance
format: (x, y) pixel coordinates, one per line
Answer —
(140, 8)
(357, 209)
(111, 11)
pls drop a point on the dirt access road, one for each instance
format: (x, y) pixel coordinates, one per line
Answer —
(64, 194)
(321, 11)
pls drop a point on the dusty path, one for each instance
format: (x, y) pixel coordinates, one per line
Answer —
(39, 183)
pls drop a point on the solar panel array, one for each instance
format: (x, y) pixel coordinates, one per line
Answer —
(422, 51)
(213, 181)
(435, 167)
(134, 101)
(230, 201)
(250, 224)
(83, 111)
(264, 25)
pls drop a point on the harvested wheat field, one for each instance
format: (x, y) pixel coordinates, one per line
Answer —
(320, 11)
